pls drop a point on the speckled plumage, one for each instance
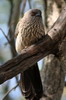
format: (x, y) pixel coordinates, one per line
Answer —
(29, 30)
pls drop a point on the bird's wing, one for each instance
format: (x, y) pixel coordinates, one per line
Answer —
(17, 28)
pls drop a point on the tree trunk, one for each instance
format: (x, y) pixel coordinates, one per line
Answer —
(53, 71)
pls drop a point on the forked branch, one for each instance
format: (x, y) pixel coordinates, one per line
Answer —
(34, 53)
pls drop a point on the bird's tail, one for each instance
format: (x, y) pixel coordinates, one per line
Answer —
(31, 84)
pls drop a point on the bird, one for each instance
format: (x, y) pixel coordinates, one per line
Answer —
(30, 30)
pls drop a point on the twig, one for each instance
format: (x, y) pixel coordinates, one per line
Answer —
(29, 1)
(23, 7)
(5, 35)
(11, 10)
(10, 90)
(13, 19)
(8, 41)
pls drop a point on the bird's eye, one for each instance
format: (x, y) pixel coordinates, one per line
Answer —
(33, 13)
(36, 14)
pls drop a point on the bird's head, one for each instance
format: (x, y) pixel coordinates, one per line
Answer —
(33, 14)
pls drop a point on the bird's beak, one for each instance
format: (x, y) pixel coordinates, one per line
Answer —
(38, 15)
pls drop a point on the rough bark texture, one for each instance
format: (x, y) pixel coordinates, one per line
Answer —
(53, 78)
(53, 7)
(53, 72)
(62, 55)
(35, 52)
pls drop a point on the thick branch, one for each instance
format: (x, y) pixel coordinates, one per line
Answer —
(35, 52)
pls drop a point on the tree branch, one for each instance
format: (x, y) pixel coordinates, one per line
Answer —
(13, 19)
(23, 7)
(34, 53)
(11, 90)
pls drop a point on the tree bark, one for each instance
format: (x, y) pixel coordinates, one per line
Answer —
(53, 78)
(52, 72)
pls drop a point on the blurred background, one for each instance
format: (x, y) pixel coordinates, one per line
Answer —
(10, 12)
